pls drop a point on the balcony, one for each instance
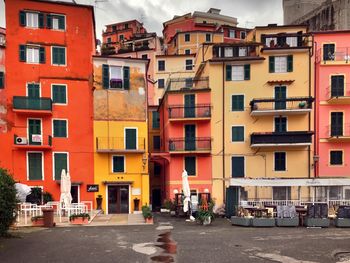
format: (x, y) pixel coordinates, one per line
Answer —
(338, 55)
(187, 84)
(281, 139)
(238, 51)
(297, 42)
(26, 105)
(190, 145)
(339, 133)
(33, 142)
(119, 145)
(339, 94)
(288, 106)
(197, 112)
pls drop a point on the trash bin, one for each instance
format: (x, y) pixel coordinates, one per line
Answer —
(48, 217)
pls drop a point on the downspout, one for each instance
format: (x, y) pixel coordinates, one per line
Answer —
(309, 116)
(223, 132)
(315, 113)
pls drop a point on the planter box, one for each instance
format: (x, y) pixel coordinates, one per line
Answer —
(287, 222)
(342, 222)
(263, 222)
(316, 222)
(241, 221)
(80, 221)
(38, 222)
(149, 220)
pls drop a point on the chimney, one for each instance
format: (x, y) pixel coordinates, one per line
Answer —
(214, 11)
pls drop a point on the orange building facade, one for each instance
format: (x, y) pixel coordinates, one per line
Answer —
(48, 89)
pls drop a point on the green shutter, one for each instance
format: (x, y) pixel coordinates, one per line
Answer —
(61, 24)
(228, 72)
(22, 53)
(59, 94)
(190, 165)
(155, 120)
(42, 55)
(118, 164)
(2, 81)
(35, 166)
(41, 20)
(237, 166)
(105, 76)
(61, 162)
(130, 139)
(60, 128)
(22, 18)
(49, 21)
(237, 102)
(271, 64)
(62, 56)
(237, 134)
(247, 72)
(290, 63)
(126, 76)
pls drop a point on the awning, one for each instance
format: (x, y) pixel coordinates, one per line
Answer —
(117, 182)
(290, 182)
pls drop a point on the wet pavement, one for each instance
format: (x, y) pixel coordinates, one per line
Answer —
(175, 240)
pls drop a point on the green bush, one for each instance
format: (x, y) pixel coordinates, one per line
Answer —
(47, 197)
(169, 204)
(83, 215)
(8, 201)
(146, 211)
(35, 196)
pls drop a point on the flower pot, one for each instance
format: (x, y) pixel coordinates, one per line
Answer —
(287, 222)
(207, 221)
(79, 221)
(342, 222)
(241, 221)
(263, 222)
(316, 222)
(38, 222)
(149, 220)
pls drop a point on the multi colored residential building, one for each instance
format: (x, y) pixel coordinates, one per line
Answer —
(3, 104)
(48, 95)
(332, 148)
(120, 133)
(261, 121)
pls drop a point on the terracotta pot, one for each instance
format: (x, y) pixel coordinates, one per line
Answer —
(38, 222)
(149, 220)
(79, 221)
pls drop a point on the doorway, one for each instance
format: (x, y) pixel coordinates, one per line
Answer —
(75, 192)
(190, 137)
(156, 199)
(118, 199)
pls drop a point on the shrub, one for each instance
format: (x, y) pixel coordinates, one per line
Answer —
(8, 201)
(146, 211)
(206, 210)
(47, 197)
(83, 215)
(35, 196)
(170, 205)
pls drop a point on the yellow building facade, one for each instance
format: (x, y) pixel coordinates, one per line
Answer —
(121, 133)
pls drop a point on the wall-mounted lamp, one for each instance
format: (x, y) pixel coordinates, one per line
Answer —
(175, 191)
(206, 190)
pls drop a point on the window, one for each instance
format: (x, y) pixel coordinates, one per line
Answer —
(335, 193)
(237, 133)
(237, 73)
(237, 166)
(190, 165)
(187, 51)
(242, 52)
(161, 83)
(155, 120)
(337, 123)
(2, 80)
(35, 166)
(118, 164)
(114, 77)
(231, 34)
(328, 52)
(281, 64)
(58, 22)
(59, 94)
(243, 35)
(281, 193)
(280, 124)
(109, 40)
(337, 86)
(130, 138)
(60, 128)
(280, 161)
(60, 163)
(156, 142)
(31, 54)
(188, 82)
(336, 157)
(189, 64)
(121, 38)
(157, 169)
(228, 51)
(126, 26)
(32, 20)
(161, 65)
(58, 55)
(207, 37)
(187, 37)
(237, 102)
(144, 56)
(114, 28)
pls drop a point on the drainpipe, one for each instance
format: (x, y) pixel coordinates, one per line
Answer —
(309, 116)
(223, 132)
(315, 113)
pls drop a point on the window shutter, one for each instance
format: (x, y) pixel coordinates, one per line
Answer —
(62, 56)
(237, 166)
(271, 64)
(42, 55)
(22, 18)
(290, 63)
(41, 20)
(126, 80)
(247, 72)
(22, 53)
(49, 21)
(105, 76)
(2, 81)
(228, 72)
(190, 165)
(61, 24)
(60, 163)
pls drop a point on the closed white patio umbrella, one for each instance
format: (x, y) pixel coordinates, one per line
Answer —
(66, 197)
(187, 193)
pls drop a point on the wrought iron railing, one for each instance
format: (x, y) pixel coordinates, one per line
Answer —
(190, 144)
(34, 139)
(177, 84)
(27, 103)
(197, 111)
(295, 103)
(295, 137)
(120, 144)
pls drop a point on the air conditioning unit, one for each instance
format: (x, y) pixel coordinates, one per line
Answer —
(21, 140)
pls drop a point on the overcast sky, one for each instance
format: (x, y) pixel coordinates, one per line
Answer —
(154, 12)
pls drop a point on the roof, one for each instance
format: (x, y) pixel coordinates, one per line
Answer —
(194, 31)
(177, 55)
(329, 32)
(278, 26)
(122, 58)
(124, 22)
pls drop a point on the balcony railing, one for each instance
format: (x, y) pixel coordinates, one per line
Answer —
(26, 103)
(119, 144)
(338, 92)
(339, 131)
(286, 40)
(34, 141)
(132, 49)
(238, 51)
(198, 144)
(183, 84)
(296, 104)
(294, 138)
(340, 54)
(183, 112)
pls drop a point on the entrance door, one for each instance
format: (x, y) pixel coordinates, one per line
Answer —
(33, 91)
(190, 137)
(280, 97)
(336, 124)
(34, 128)
(74, 190)
(118, 199)
(190, 110)
(156, 199)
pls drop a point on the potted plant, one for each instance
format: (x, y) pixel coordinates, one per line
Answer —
(302, 104)
(205, 214)
(79, 219)
(147, 214)
(38, 220)
(99, 202)
(167, 206)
